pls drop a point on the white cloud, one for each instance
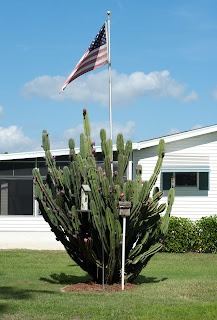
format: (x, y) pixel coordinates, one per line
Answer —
(126, 89)
(62, 142)
(214, 94)
(173, 131)
(196, 126)
(176, 130)
(1, 112)
(12, 139)
(44, 87)
(192, 96)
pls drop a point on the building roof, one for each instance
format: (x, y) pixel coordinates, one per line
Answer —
(175, 137)
(136, 146)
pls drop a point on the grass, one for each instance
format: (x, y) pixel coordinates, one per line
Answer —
(172, 286)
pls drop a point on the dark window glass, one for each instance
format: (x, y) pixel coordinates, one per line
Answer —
(6, 168)
(186, 179)
(42, 168)
(115, 166)
(23, 168)
(61, 164)
(204, 181)
(167, 176)
(63, 158)
(16, 197)
(100, 164)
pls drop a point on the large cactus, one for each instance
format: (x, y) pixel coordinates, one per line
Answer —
(83, 232)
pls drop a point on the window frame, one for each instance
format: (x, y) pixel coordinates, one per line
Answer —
(201, 177)
(20, 178)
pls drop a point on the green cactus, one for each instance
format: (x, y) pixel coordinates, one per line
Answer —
(82, 233)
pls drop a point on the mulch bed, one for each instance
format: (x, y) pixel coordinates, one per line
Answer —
(95, 287)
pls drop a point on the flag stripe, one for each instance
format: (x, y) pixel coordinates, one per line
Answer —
(94, 57)
(97, 53)
(75, 69)
(89, 68)
(90, 65)
(90, 58)
(93, 67)
(81, 60)
(83, 65)
(100, 48)
(100, 61)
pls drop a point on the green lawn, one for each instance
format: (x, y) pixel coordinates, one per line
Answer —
(173, 286)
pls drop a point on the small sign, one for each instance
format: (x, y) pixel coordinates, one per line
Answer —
(124, 208)
(173, 182)
(84, 197)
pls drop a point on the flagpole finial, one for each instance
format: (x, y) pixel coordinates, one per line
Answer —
(108, 13)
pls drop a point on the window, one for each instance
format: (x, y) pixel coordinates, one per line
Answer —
(185, 179)
(42, 168)
(6, 168)
(16, 197)
(23, 168)
(198, 180)
(16, 188)
(203, 180)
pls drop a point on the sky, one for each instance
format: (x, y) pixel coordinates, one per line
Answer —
(163, 60)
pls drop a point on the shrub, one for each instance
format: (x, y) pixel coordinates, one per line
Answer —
(185, 235)
(207, 229)
(182, 236)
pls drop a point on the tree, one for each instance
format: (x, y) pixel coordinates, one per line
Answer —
(82, 232)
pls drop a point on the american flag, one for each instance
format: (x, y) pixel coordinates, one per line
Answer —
(94, 57)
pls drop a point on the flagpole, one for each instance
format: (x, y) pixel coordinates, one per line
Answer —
(110, 84)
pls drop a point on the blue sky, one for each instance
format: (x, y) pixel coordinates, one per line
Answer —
(163, 56)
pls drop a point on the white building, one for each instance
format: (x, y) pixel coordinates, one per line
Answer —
(190, 164)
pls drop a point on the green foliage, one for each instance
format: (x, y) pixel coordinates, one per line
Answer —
(182, 236)
(185, 235)
(207, 229)
(84, 232)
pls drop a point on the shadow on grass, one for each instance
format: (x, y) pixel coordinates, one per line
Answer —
(62, 278)
(143, 279)
(73, 265)
(11, 293)
(4, 308)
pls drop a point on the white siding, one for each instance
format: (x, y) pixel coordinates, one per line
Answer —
(190, 202)
(23, 232)
(23, 223)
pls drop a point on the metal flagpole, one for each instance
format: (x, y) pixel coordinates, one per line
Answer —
(110, 119)
(123, 253)
(110, 83)
(103, 259)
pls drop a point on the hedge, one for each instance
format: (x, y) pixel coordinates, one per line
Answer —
(185, 235)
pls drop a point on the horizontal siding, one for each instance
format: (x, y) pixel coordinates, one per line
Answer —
(21, 223)
(29, 240)
(189, 202)
(186, 162)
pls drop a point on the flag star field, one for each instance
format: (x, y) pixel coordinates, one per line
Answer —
(99, 40)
